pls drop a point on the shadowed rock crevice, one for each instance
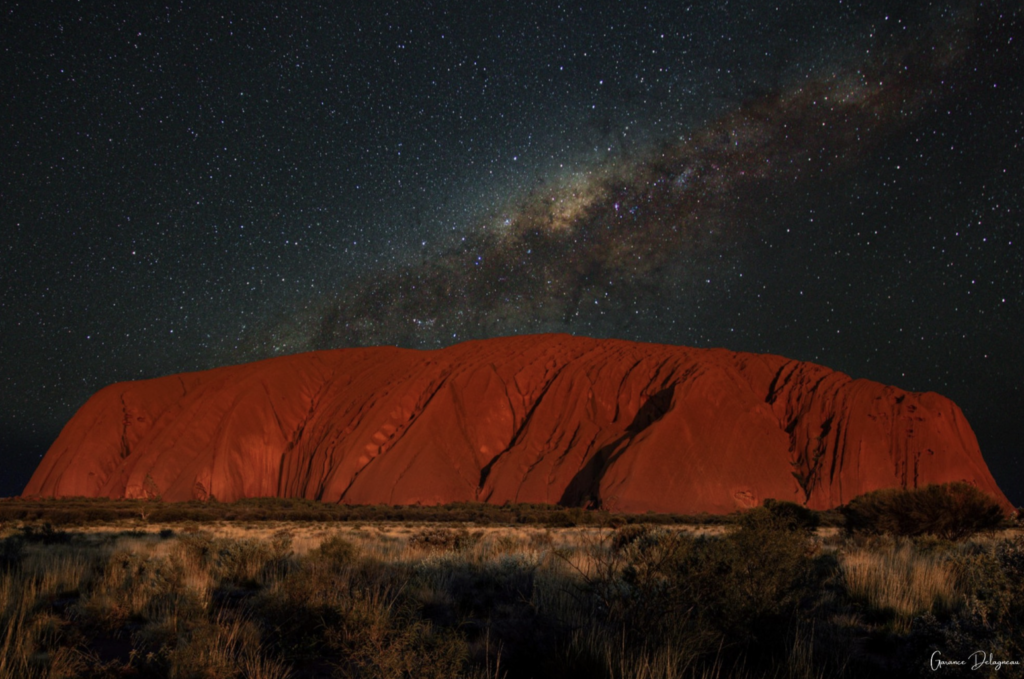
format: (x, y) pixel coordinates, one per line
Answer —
(584, 489)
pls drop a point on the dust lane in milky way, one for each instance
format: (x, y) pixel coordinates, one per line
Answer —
(603, 247)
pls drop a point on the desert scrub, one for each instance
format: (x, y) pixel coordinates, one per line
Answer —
(137, 587)
(243, 562)
(762, 597)
(665, 599)
(988, 619)
(196, 548)
(951, 511)
(35, 640)
(378, 635)
(228, 646)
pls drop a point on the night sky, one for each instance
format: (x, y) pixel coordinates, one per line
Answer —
(189, 185)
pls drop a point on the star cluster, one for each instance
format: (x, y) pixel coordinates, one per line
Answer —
(186, 186)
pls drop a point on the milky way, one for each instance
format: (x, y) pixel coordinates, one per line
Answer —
(603, 249)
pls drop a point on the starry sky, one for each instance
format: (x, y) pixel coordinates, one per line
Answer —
(185, 185)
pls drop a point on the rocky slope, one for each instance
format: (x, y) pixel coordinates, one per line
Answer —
(547, 418)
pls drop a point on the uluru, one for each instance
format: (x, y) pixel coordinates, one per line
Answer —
(626, 426)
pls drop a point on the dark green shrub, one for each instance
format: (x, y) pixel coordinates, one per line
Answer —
(281, 545)
(337, 550)
(69, 517)
(443, 539)
(951, 511)
(628, 535)
(11, 550)
(657, 568)
(794, 516)
(768, 561)
(197, 547)
(242, 561)
(378, 642)
(131, 587)
(46, 534)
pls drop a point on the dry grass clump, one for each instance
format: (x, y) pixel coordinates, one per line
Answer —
(225, 647)
(899, 578)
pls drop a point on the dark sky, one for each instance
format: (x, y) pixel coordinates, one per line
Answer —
(185, 185)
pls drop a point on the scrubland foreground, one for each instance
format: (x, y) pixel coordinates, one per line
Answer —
(767, 596)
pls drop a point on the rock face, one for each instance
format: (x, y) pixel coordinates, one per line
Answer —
(547, 418)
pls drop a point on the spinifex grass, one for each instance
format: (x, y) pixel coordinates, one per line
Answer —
(898, 577)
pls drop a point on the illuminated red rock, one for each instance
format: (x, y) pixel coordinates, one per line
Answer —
(547, 418)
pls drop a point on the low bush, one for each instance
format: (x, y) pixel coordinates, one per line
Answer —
(443, 539)
(242, 562)
(951, 511)
(46, 534)
(379, 639)
(792, 515)
(11, 549)
(196, 547)
(337, 551)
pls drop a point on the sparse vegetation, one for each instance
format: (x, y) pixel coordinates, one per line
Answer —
(67, 512)
(765, 594)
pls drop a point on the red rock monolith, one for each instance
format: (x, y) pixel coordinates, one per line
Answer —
(626, 426)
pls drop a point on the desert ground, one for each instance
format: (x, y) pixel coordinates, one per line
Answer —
(751, 597)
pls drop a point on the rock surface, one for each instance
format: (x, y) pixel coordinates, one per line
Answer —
(546, 418)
